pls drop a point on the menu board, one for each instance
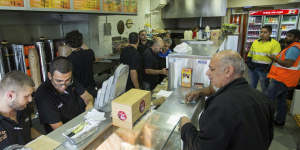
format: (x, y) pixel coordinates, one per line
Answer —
(58, 4)
(130, 6)
(86, 4)
(112, 6)
(12, 3)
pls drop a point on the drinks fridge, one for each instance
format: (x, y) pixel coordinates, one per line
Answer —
(281, 20)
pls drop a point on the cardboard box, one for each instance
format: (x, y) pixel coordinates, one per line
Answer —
(129, 107)
(186, 77)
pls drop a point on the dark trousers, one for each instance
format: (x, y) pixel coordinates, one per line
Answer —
(259, 74)
(277, 92)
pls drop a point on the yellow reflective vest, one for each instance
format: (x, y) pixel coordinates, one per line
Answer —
(260, 50)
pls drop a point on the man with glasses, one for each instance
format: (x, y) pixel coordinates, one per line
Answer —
(60, 99)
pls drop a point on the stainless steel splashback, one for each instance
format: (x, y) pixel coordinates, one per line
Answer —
(194, 8)
(198, 64)
(198, 59)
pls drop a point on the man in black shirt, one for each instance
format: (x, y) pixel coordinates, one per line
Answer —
(15, 90)
(61, 98)
(144, 43)
(235, 116)
(131, 57)
(82, 59)
(152, 65)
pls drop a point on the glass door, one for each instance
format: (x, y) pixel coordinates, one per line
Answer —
(288, 22)
(254, 26)
(274, 22)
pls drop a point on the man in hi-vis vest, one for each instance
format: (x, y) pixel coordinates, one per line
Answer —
(284, 74)
(258, 61)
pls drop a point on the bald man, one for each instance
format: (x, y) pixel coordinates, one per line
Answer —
(15, 93)
(236, 116)
(152, 64)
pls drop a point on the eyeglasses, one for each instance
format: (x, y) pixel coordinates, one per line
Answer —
(61, 83)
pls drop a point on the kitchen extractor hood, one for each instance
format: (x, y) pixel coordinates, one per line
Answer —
(194, 8)
(293, 1)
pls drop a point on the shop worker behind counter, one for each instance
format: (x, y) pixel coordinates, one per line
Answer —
(236, 116)
(60, 98)
(131, 57)
(144, 43)
(15, 90)
(82, 59)
(152, 64)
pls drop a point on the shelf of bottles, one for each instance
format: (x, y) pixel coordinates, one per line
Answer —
(254, 26)
(288, 23)
(273, 21)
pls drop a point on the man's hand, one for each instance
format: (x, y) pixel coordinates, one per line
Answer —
(183, 121)
(164, 71)
(88, 100)
(273, 57)
(190, 96)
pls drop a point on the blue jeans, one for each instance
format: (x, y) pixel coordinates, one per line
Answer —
(277, 92)
(261, 75)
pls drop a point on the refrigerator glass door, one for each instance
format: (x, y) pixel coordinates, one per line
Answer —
(254, 26)
(288, 22)
(274, 22)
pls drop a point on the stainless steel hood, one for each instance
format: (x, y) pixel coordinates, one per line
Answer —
(194, 8)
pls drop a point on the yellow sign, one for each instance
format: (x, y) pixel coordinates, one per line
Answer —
(86, 4)
(112, 6)
(12, 3)
(58, 4)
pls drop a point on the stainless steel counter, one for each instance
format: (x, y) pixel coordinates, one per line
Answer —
(57, 134)
(174, 104)
(165, 119)
(160, 126)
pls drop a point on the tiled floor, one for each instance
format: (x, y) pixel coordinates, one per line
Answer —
(288, 137)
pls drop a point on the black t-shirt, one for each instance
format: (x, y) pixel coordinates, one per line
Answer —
(151, 61)
(12, 132)
(82, 61)
(54, 107)
(131, 57)
(141, 47)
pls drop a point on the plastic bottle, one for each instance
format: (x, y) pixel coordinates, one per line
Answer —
(207, 30)
(199, 34)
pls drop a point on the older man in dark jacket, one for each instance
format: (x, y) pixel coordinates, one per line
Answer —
(236, 116)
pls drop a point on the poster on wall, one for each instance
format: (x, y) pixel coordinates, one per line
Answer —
(130, 6)
(58, 4)
(86, 5)
(12, 3)
(112, 6)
